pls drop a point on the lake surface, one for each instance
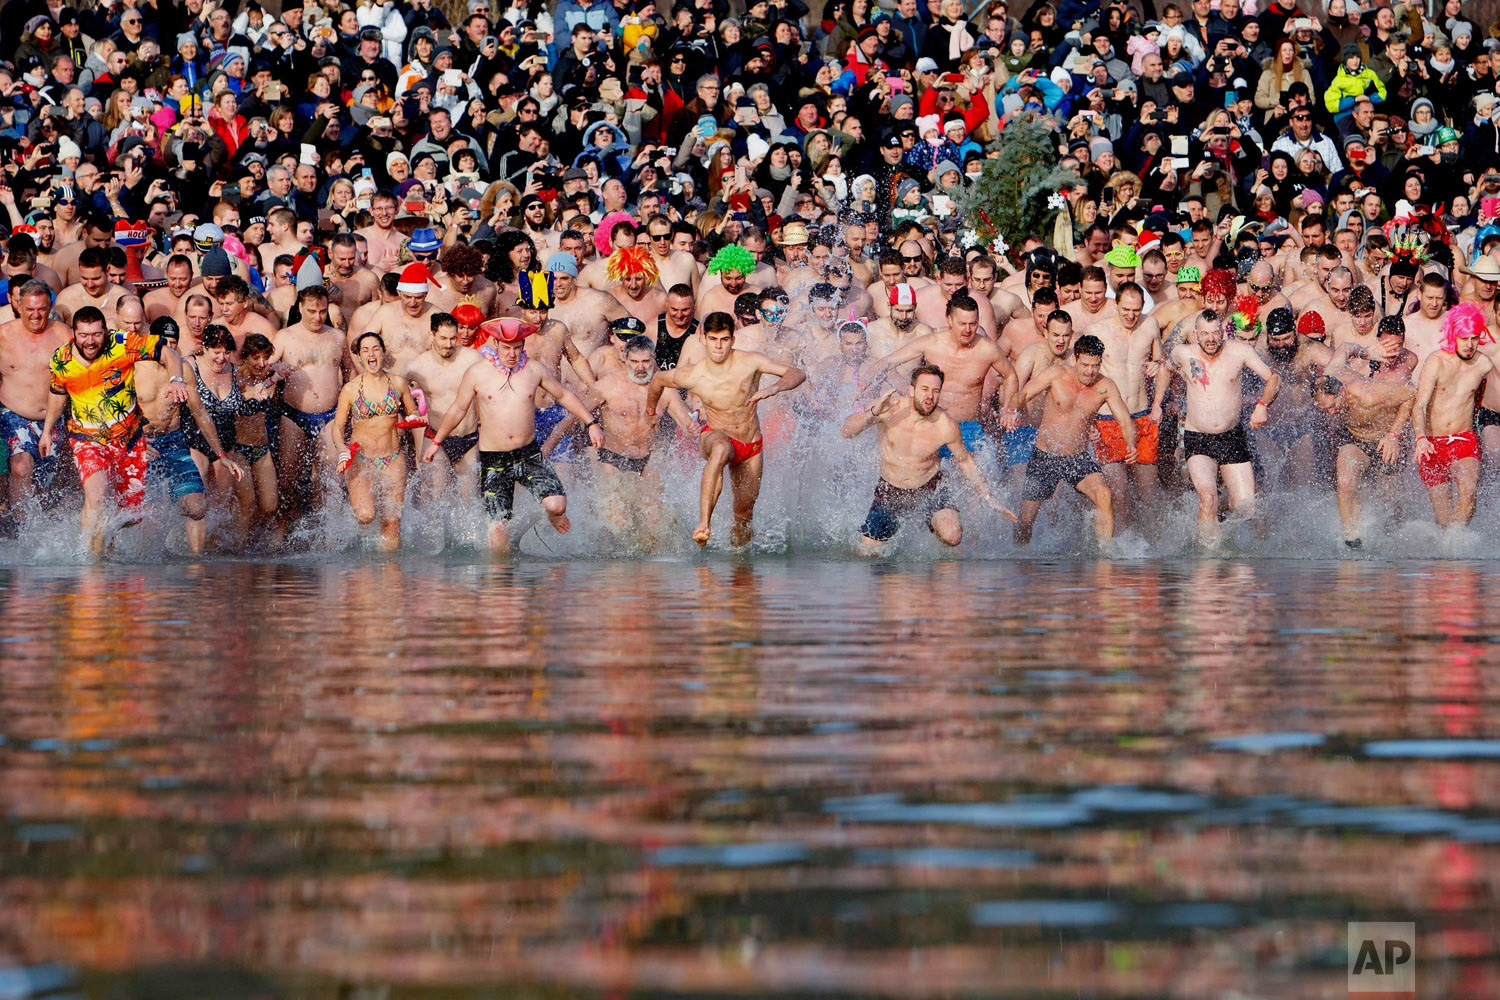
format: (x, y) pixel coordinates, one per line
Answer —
(769, 777)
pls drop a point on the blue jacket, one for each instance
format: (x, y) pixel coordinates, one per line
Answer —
(599, 15)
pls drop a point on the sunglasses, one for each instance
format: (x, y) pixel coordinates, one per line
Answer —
(1301, 118)
(1260, 288)
(660, 237)
(911, 259)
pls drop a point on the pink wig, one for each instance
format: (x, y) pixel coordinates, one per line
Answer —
(1464, 320)
(606, 230)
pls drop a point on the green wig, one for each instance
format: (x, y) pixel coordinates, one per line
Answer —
(732, 257)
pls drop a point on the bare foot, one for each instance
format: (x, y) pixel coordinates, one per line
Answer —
(560, 523)
(740, 534)
(701, 535)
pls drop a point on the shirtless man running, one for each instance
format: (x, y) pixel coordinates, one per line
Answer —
(631, 490)
(913, 432)
(434, 377)
(26, 344)
(899, 325)
(1213, 436)
(1074, 394)
(1448, 386)
(406, 324)
(503, 385)
(727, 383)
(1132, 353)
(966, 358)
(1371, 408)
(314, 353)
(585, 311)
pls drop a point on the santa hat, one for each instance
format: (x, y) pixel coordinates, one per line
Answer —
(129, 234)
(1146, 241)
(903, 295)
(415, 279)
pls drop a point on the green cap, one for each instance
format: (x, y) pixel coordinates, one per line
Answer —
(1123, 256)
(1444, 134)
(1186, 274)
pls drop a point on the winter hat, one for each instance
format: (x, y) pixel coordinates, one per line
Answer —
(215, 264)
(1098, 146)
(906, 187)
(416, 279)
(757, 147)
(947, 167)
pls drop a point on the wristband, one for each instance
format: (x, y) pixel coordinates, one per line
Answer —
(1261, 402)
(177, 378)
(591, 423)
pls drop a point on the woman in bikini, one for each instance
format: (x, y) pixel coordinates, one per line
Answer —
(262, 384)
(376, 406)
(218, 387)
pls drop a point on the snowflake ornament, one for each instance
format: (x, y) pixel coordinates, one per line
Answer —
(969, 238)
(1057, 201)
(999, 248)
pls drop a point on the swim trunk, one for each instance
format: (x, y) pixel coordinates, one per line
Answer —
(174, 464)
(1437, 468)
(1111, 446)
(546, 422)
(311, 424)
(1045, 471)
(742, 452)
(1018, 445)
(1228, 448)
(455, 446)
(500, 471)
(624, 462)
(1486, 417)
(1340, 437)
(125, 465)
(24, 435)
(893, 505)
(974, 438)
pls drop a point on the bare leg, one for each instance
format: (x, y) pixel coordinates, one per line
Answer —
(1029, 511)
(947, 527)
(556, 509)
(716, 452)
(1240, 481)
(361, 491)
(1442, 503)
(1349, 467)
(1204, 473)
(194, 508)
(870, 546)
(1096, 489)
(744, 479)
(1466, 479)
(1145, 499)
(94, 489)
(392, 488)
(1115, 479)
(499, 538)
(22, 487)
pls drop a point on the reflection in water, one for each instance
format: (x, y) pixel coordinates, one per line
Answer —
(779, 778)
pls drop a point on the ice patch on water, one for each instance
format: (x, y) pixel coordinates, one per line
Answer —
(1046, 913)
(1268, 742)
(1434, 749)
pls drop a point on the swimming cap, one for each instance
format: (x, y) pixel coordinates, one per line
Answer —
(1309, 323)
(1188, 274)
(563, 262)
(903, 294)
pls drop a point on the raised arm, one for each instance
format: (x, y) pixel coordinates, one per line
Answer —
(787, 377)
(1040, 383)
(858, 423)
(905, 354)
(660, 382)
(573, 405)
(679, 413)
(1255, 363)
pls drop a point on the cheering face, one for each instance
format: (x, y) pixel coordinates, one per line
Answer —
(925, 393)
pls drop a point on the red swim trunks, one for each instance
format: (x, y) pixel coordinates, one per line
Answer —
(1437, 468)
(1111, 446)
(742, 452)
(124, 464)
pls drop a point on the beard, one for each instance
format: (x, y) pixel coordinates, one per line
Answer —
(924, 411)
(903, 325)
(1285, 353)
(642, 379)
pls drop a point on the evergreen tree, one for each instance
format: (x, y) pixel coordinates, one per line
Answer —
(1010, 198)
